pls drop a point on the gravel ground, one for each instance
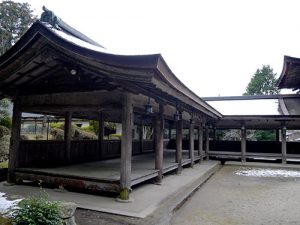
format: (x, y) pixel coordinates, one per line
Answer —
(229, 198)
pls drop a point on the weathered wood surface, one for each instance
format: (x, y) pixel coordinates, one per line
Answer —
(52, 153)
(14, 142)
(179, 144)
(243, 144)
(68, 135)
(283, 144)
(126, 146)
(159, 143)
(191, 143)
(200, 142)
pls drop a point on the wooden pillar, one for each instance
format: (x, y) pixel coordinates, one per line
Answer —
(207, 142)
(68, 135)
(179, 144)
(277, 135)
(170, 131)
(159, 143)
(200, 142)
(191, 140)
(13, 162)
(141, 137)
(243, 144)
(283, 144)
(101, 135)
(126, 147)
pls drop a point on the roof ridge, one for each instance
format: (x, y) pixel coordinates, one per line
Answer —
(48, 16)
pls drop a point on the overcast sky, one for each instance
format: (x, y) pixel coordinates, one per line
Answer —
(212, 46)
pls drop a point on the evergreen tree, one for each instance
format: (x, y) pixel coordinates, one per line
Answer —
(263, 82)
(15, 18)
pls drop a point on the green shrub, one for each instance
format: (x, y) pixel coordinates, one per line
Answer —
(37, 211)
(57, 125)
(6, 121)
(115, 136)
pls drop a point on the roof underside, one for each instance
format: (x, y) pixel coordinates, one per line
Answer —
(42, 60)
(257, 112)
(290, 75)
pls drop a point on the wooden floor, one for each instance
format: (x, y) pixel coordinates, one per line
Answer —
(106, 171)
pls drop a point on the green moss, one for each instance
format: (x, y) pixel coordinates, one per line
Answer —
(124, 194)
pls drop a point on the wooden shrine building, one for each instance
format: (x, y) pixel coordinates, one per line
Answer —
(56, 70)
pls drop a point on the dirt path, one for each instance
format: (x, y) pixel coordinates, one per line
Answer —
(228, 198)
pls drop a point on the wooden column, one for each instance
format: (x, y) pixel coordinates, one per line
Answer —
(191, 140)
(13, 162)
(68, 135)
(170, 131)
(243, 144)
(159, 143)
(141, 137)
(101, 135)
(283, 145)
(277, 135)
(126, 147)
(207, 142)
(200, 142)
(179, 144)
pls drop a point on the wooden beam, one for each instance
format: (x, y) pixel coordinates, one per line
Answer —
(13, 162)
(283, 144)
(159, 143)
(126, 147)
(68, 135)
(191, 142)
(200, 142)
(179, 144)
(243, 144)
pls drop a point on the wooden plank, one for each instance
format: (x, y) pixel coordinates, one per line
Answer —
(126, 146)
(14, 142)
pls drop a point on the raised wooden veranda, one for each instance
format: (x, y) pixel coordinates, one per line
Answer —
(55, 70)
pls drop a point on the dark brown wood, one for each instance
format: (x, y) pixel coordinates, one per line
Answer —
(179, 144)
(80, 183)
(207, 142)
(101, 134)
(200, 142)
(283, 144)
(68, 135)
(159, 143)
(243, 144)
(13, 162)
(141, 136)
(126, 146)
(191, 143)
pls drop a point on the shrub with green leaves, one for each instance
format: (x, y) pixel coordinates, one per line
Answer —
(37, 211)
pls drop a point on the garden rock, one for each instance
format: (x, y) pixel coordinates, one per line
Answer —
(67, 212)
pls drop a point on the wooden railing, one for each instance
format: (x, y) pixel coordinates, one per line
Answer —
(52, 153)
